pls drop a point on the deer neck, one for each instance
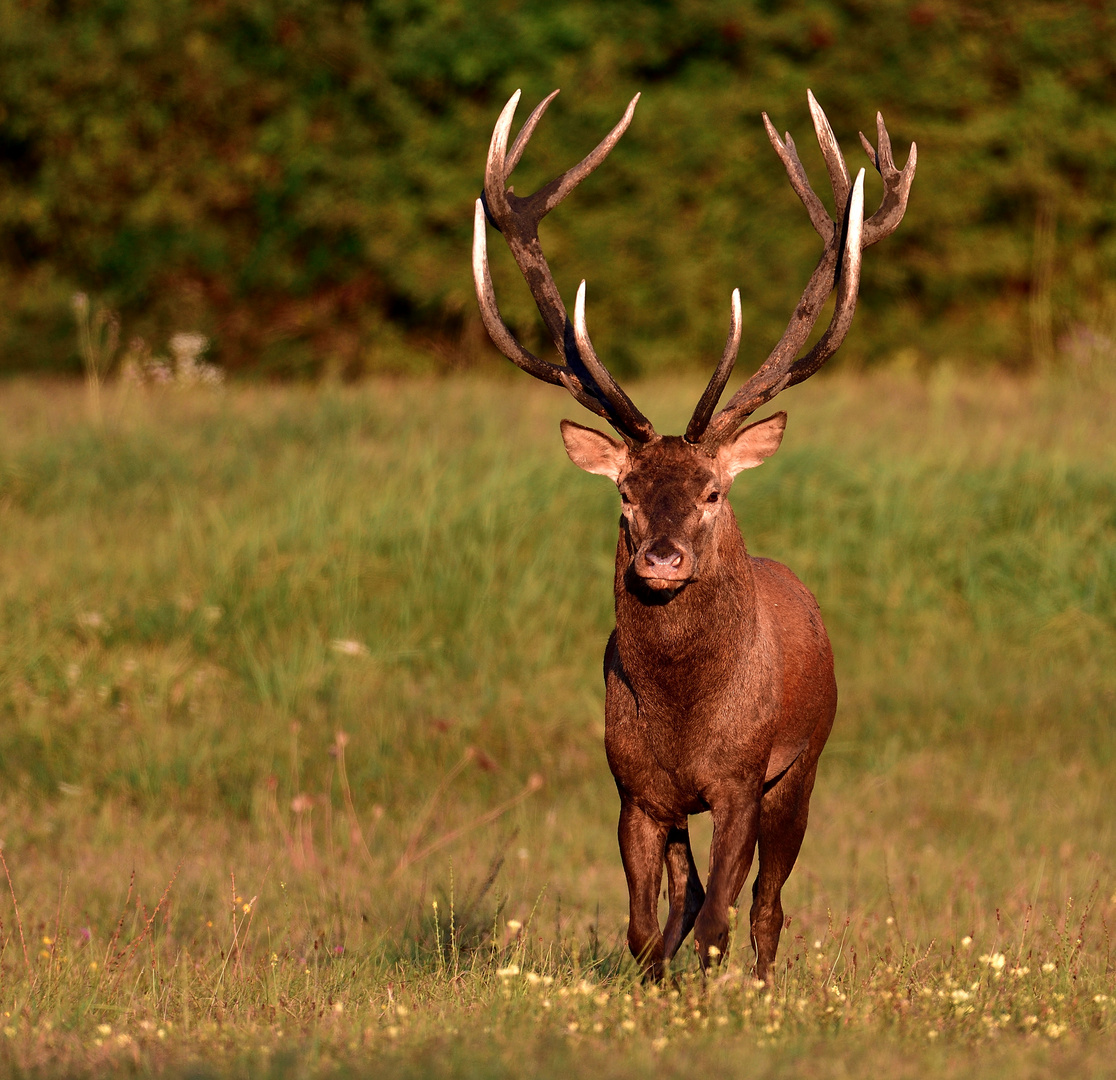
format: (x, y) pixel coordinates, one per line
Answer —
(690, 639)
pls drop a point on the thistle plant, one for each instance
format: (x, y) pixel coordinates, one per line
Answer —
(183, 368)
(189, 368)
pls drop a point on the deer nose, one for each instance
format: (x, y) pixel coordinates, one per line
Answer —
(665, 558)
(660, 560)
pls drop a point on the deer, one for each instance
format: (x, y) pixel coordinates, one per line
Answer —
(719, 682)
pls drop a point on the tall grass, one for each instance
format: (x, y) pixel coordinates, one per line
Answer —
(306, 653)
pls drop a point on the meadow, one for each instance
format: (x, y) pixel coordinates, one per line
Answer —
(300, 753)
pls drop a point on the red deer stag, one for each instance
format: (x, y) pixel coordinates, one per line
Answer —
(719, 675)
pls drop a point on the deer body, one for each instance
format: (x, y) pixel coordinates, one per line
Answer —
(719, 681)
(681, 719)
(689, 731)
(719, 692)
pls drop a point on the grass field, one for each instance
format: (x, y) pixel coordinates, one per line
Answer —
(300, 751)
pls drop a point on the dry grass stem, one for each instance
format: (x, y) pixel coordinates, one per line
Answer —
(15, 906)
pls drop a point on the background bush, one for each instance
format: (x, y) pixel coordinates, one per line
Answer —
(295, 177)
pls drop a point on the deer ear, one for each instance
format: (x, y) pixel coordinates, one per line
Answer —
(593, 451)
(752, 445)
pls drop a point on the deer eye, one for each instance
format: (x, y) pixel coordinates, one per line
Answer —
(624, 498)
(713, 497)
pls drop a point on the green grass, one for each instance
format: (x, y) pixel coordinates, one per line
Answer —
(176, 588)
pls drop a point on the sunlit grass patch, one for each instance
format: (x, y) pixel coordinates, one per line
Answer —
(333, 656)
(147, 998)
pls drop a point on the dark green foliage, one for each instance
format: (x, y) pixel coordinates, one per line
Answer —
(296, 178)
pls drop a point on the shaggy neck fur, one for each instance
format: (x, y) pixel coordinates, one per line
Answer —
(682, 648)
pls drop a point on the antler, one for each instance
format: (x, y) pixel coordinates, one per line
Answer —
(849, 232)
(518, 219)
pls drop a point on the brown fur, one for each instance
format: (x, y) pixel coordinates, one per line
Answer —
(720, 694)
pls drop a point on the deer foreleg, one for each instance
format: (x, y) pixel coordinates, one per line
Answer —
(642, 841)
(783, 815)
(684, 890)
(735, 829)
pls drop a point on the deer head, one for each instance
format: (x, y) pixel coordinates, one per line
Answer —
(672, 494)
(673, 488)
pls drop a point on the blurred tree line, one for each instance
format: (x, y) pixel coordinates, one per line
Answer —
(295, 178)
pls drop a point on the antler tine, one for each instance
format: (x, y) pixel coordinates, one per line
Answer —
(549, 196)
(518, 219)
(703, 412)
(847, 289)
(831, 152)
(781, 369)
(494, 323)
(884, 140)
(771, 379)
(796, 173)
(633, 421)
(504, 339)
(897, 185)
(526, 132)
(495, 171)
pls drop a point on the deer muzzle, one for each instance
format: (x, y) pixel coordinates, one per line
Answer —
(663, 563)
